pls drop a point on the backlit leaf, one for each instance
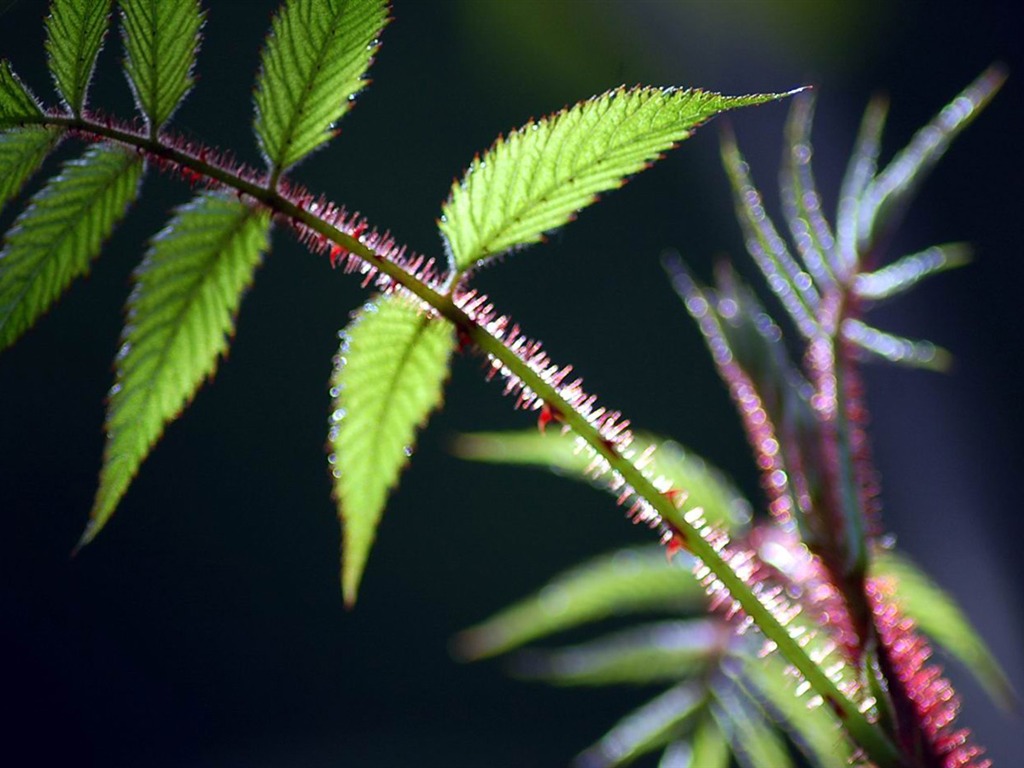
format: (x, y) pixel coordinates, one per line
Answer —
(60, 232)
(939, 616)
(22, 151)
(17, 104)
(814, 729)
(652, 653)
(388, 378)
(538, 177)
(710, 747)
(751, 738)
(704, 486)
(313, 65)
(652, 726)
(627, 581)
(74, 35)
(896, 349)
(160, 38)
(181, 314)
(908, 271)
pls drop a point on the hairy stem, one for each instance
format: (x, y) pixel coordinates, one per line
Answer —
(869, 736)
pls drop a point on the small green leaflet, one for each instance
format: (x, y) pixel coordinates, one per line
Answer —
(388, 378)
(751, 739)
(160, 38)
(628, 581)
(537, 178)
(17, 105)
(313, 65)
(663, 652)
(710, 748)
(939, 616)
(656, 724)
(60, 232)
(181, 314)
(74, 35)
(704, 485)
(22, 151)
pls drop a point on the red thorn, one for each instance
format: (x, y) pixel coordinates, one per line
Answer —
(674, 495)
(464, 339)
(547, 415)
(674, 546)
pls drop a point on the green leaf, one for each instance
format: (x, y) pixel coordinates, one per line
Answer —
(940, 617)
(890, 192)
(793, 287)
(814, 729)
(704, 485)
(160, 38)
(313, 65)
(652, 653)
(654, 725)
(74, 35)
(751, 738)
(710, 747)
(537, 178)
(17, 104)
(181, 313)
(388, 378)
(903, 274)
(61, 231)
(22, 151)
(896, 349)
(627, 581)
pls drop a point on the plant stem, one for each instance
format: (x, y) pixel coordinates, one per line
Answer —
(869, 736)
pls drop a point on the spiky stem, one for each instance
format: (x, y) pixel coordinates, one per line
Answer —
(197, 165)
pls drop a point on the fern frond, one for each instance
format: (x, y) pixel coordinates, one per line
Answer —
(74, 35)
(22, 151)
(627, 581)
(388, 378)
(314, 64)
(17, 104)
(161, 38)
(537, 178)
(181, 314)
(60, 232)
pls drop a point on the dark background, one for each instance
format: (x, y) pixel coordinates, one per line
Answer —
(205, 625)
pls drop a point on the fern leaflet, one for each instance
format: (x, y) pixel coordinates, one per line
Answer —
(537, 178)
(180, 315)
(17, 104)
(60, 232)
(388, 378)
(74, 35)
(313, 66)
(22, 151)
(161, 38)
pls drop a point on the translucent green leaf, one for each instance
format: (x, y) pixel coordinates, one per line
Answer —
(651, 653)
(903, 274)
(814, 729)
(17, 104)
(61, 231)
(22, 151)
(751, 738)
(181, 314)
(787, 279)
(896, 349)
(74, 35)
(710, 747)
(388, 378)
(160, 38)
(940, 617)
(704, 485)
(890, 192)
(859, 172)
(313, 65)
(627, 581)
(538, 177)
(652, 726)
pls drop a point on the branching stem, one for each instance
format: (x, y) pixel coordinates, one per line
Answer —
(870, 737)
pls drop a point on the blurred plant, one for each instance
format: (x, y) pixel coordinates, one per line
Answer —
(824, 611)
